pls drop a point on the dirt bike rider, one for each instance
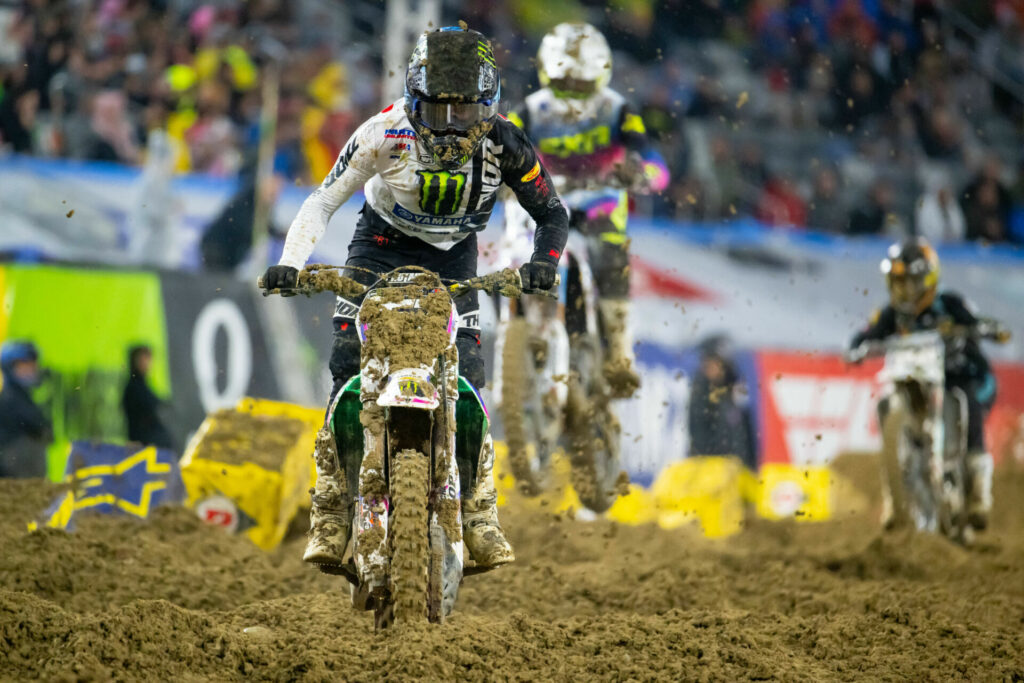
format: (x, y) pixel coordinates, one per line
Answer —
(911, 272)
(432, 164)
(597, 149)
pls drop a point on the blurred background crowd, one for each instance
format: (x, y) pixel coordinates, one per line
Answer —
(845, 116)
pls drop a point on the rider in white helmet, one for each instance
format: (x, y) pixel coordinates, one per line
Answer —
(596, 149)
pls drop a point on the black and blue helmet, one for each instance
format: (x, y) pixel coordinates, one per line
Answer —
(16, 351)
(452, 90)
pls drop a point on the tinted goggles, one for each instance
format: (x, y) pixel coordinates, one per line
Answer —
(459, 116)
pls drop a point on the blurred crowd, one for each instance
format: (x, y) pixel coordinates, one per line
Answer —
(847, 116)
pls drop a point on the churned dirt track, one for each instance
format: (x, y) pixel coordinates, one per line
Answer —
(585, 601)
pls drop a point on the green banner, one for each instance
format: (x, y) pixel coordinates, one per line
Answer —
(84, 322)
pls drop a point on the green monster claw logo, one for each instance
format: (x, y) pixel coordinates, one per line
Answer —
(483, 49)
(441, 191)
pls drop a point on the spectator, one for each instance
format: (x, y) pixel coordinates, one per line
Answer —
(24, 430)
(728, 179)
(229, 238)
(753, 170)
(719, 420)
(938, 216)
(708, 100)
(874, 216)
(826, 211)
(141, 406)
(989, 176)
(780, 204)
(18, 119)
(114, 137)
(985, 218)
(941, 135)
(858, 96)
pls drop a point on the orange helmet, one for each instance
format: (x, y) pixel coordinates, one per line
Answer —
(911, 272)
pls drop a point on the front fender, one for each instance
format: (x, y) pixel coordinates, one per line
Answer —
(410, 388)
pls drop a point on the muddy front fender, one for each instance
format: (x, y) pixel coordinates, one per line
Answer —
(410, 388)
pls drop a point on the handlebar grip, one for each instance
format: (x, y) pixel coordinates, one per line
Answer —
(549, 293)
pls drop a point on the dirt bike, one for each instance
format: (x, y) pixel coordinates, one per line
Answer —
(924, 430)
(402, 409)
(551, 387)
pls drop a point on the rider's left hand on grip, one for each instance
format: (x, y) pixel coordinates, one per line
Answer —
(538, 275)
(855, 355)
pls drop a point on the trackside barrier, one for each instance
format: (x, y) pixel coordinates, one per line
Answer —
(109, 479)
(715, 492)
(227, 489)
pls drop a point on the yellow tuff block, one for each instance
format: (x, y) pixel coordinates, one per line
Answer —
(258, 499)
(703, 488)
(560, 496)
(791, 491)
(635, 508)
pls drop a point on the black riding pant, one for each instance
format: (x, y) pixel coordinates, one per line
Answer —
(608, 252)
(381, 248)
(981, 394)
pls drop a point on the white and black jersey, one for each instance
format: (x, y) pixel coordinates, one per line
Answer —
(411, 193)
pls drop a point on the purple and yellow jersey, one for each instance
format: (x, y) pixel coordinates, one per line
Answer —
(582, 141)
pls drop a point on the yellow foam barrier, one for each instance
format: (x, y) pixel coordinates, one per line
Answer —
(712, 491)
(259, 500)
(792, 491)
(706, 489)
(560, 496)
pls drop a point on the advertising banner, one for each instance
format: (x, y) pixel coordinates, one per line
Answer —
(208, 340)
(108, 479)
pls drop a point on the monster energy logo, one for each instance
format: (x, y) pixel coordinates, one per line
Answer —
(441, 192)
(484, 51)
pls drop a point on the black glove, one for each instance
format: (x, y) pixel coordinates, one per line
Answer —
(538, 275)
(279, 277)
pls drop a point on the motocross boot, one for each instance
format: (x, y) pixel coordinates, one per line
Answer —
(330, 517)
(481, 531)
(979, 489)
(620, 367)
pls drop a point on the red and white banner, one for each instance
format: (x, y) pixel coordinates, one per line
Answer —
(814, 407)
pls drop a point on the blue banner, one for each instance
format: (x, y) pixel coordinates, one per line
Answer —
(108, 479)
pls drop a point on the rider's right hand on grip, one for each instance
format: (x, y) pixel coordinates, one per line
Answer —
(279, 277)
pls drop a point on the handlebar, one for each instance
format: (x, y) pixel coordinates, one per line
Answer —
(985, 328)
(316, 278)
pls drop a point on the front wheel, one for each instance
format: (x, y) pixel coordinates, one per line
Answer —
(593, 446)
(893, 443)
(527, 419)
(408, 532)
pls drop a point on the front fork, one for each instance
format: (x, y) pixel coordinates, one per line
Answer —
(369, 540)
(922, 463)
(373, 506)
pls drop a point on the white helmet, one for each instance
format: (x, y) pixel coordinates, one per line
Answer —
(574, 60)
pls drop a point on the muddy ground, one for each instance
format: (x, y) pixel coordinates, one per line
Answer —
(585, 601)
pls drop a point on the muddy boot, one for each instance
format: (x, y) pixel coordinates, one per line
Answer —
(620, 366)
(979, 489)
(482, 533)
(330, 518)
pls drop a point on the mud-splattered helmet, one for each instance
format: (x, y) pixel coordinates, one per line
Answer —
(452, 89)
(574, 60)
(911, 271)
